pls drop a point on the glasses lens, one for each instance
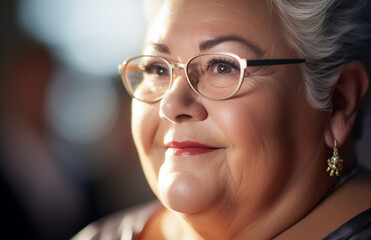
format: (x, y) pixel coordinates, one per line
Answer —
(215, 76)
(147, 78)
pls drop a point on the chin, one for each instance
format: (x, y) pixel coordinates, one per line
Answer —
(186, 193)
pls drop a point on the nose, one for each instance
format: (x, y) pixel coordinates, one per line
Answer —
(180, 103)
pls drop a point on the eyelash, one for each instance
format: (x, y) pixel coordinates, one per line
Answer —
(223, 61)
(149, 67)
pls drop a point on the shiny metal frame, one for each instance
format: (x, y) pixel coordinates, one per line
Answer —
(244, 63)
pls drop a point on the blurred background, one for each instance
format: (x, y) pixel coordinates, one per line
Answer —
(66, 151)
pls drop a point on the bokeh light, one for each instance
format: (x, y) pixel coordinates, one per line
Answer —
(90, 38)
(90, 35)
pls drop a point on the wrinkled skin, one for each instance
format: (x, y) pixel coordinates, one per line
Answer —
(269, 141)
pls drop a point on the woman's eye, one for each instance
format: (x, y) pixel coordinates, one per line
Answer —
(156, 69)
(222, 67)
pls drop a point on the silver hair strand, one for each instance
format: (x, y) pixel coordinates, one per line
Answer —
(332, 32)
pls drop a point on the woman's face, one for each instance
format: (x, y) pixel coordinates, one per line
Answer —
(243, 155)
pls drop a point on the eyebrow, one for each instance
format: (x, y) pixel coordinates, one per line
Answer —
(208, 44)
(160, 47)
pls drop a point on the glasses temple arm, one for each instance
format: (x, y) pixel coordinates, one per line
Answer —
(267, 62)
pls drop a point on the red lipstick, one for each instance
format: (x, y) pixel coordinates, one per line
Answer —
(188, 148)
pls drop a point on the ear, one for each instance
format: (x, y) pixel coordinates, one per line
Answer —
(348, 93)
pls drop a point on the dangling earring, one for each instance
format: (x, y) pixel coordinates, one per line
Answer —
(335, 163)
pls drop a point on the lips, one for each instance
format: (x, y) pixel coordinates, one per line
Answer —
(188, 148)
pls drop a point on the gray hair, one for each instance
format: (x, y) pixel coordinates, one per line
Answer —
(332, 32)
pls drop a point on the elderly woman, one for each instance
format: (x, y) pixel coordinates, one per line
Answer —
(243, 116)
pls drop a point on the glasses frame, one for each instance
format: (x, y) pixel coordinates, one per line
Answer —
(244, 63)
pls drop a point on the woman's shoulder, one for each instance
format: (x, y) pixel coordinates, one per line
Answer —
(125, 225)
(358, 227)
(357, 195)
(345, 211)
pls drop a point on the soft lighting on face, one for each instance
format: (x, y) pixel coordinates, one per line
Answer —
(158, 22)
(90, 35)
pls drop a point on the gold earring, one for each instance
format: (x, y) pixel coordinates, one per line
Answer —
(335, 163)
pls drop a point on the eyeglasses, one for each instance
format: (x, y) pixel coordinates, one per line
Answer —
(215, 76)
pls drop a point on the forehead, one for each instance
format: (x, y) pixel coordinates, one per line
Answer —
(189, 22)
(202, 9)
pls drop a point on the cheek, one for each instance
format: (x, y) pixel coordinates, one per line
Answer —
(144, 132)
(256, 130)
